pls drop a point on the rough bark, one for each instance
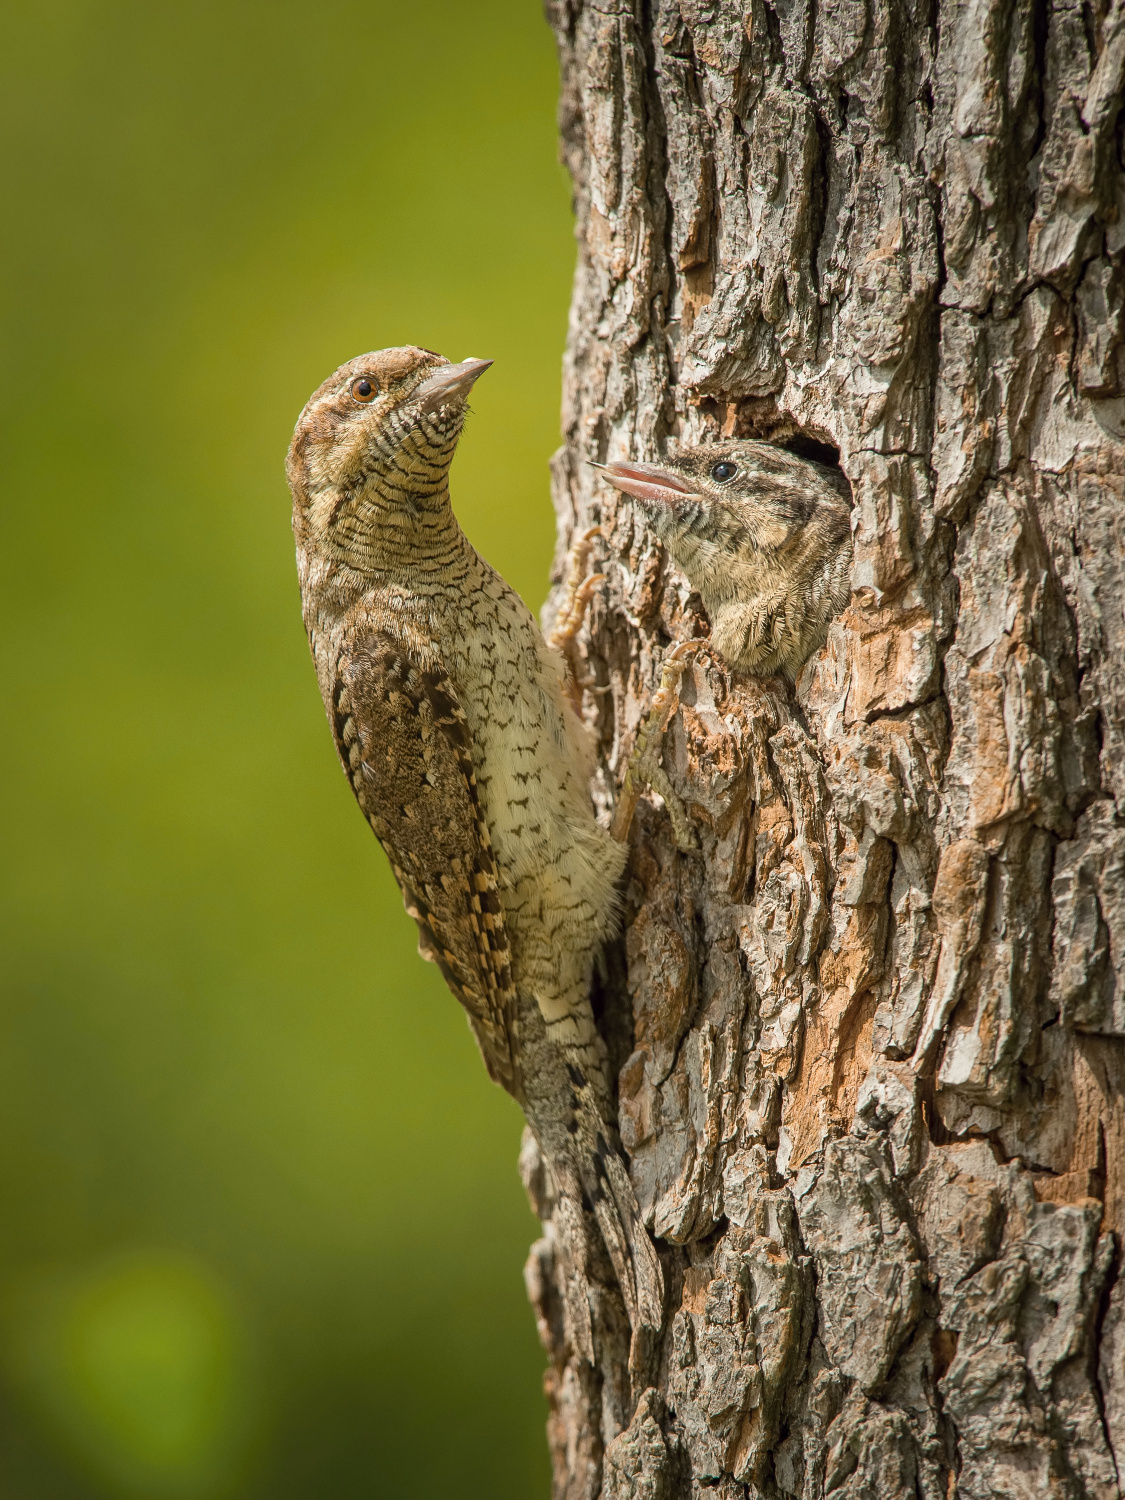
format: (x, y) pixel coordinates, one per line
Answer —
(871, 1038)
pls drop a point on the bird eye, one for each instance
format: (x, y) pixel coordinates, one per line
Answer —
(363, 389)
(724, 471)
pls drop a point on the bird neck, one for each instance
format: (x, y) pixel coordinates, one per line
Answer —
(404, 537)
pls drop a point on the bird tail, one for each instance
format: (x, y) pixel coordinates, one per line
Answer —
(590, 1181)
(605, 1212)
(605, 1180)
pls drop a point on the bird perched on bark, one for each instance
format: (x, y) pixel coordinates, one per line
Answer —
(762, 535)
(449, 717)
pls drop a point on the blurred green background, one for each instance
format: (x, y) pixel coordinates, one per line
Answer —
(261, 1231)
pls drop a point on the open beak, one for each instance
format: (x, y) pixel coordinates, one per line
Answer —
(647, 482)
(449, 383)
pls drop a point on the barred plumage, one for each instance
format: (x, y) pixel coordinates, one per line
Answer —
(452, 726)
(762, 534)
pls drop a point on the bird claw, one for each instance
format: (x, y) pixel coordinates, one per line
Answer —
(579, 590)
(647, 768)
(644, 767)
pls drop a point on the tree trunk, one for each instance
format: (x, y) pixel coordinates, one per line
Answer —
(871, 1038)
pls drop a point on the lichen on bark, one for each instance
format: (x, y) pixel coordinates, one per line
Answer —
(870, 1038)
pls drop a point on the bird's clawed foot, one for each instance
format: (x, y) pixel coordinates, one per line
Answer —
(579, 590)
(644, 768)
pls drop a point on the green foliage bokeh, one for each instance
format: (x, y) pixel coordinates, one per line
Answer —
(260, 1227)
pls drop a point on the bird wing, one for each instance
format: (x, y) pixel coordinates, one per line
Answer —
(407, 749)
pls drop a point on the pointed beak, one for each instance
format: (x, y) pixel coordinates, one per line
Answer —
(647, 482)
(451, 382)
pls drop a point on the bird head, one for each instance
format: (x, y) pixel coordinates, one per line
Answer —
(762, 535)
(740, 495)
(371, 451)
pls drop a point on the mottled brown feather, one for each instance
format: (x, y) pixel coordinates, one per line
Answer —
(434, 674)
(407, 750)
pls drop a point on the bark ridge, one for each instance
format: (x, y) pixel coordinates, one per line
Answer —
(870, 1040)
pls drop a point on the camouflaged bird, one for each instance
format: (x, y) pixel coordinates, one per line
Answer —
(449, 717)
(762, 535)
